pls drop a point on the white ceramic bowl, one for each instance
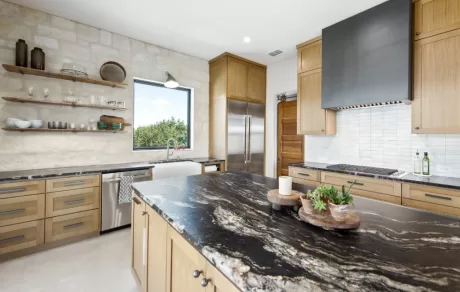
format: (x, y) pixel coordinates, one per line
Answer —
(11, 122)
(37, 124)
(23, 124)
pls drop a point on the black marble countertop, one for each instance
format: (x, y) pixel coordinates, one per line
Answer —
(228, 219)
(438, 181)
(89, 169)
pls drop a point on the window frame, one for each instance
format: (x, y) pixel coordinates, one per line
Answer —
(190, 92)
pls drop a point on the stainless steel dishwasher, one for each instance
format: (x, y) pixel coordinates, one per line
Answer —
(115, 215)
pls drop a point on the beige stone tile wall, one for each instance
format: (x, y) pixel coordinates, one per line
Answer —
(67, 41)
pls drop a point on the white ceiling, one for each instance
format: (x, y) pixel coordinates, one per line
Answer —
(207, 28)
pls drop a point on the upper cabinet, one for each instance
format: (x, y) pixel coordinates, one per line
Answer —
(311, 118)
(432, 17)
(436, 84)
(309, 55)
(237, 78)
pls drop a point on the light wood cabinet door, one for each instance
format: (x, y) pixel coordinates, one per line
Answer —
(257, 83)
(22, 188)
(311, 118)
(21, 236)
(432, 17)
(72, 183)
(73, 201)
(217, 281)
(73, 225)
(436, 101)
(237, 82)
(156, 252)
(22, 209)
(139, 239)
(309, 57)
(183, 260)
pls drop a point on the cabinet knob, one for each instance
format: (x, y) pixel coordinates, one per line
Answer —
(197, 273)
(405, 205)
(417, 128)
(417, 33)
(144, 213)
(322, 130)
(205, 282)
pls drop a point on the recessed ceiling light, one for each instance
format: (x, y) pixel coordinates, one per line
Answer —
(247, 39)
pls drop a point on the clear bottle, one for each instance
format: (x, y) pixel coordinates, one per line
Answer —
(417, 163)
(426, 165)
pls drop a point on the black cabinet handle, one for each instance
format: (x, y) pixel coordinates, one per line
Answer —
(438, 197)
(304, 174)
(356, 183)
(20, 237)
(10, 212)
(74, 202)
(73, 225)
(8, 191)
(135, 200)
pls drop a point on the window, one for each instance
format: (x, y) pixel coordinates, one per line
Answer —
(160, 113)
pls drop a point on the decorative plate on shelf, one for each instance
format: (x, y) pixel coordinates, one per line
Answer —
(112, 71)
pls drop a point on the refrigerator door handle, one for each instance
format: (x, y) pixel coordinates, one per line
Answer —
(249, 139)
(245, 139)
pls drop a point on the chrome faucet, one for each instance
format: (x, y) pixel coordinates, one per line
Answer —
(168, 155)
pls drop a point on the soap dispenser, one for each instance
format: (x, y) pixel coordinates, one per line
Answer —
(417, 163)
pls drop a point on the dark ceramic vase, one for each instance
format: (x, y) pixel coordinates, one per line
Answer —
(21, 53)
(37, 59)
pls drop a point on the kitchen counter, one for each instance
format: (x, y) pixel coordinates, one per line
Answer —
(437, 181)
(90, 169)
(228, 219)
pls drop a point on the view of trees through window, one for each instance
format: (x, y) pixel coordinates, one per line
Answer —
(160, 113)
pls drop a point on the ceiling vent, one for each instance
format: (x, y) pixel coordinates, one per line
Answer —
(275, 53)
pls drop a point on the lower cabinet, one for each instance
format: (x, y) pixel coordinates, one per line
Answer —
(21, 236)
(163, 261)
(72, 225)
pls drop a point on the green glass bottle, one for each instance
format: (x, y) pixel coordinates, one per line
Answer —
(426, 165)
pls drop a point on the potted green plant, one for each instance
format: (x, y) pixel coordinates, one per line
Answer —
(315, 200)
(307, 201)
(338, 203)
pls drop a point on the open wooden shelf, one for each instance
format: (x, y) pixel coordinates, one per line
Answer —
(36, 72)
(60, 130)
(73, 104)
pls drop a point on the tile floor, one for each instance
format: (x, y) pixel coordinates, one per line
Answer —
(99, 264)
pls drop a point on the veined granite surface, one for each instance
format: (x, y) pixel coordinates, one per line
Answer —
(90, 169)
(227, 217)
(437, 181)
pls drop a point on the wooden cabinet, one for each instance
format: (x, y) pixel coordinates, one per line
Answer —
(217, 281)
(432, 17)
(22, 209)
(72, 201)
(309, 55)
(237, 79)
(72, 183)
(156, 252)
(73, 225)
(257, 83)
(21, 236)
(183, 261)
(138, 239)
(384, 190)
(305, 176)
(436, 84)
(440, 200)
(23, 188)
(311, 118)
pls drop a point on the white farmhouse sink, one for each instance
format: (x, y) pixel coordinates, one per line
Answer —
(173, 169)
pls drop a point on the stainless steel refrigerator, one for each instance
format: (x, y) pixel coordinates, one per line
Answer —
(246, 137)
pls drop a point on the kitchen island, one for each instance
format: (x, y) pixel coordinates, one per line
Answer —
(227, 219)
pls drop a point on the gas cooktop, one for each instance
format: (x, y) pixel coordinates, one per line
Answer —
(362, 169)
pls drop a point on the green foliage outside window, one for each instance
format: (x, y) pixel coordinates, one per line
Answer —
(157, 135)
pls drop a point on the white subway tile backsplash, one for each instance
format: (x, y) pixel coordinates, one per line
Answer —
(382, 137)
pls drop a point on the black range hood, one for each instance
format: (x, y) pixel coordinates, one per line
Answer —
(367, 59)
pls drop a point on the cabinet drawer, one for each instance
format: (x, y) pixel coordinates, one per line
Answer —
(362, 183)
(373, 195)
(21, 236)
(24, 188)
(72, 201)
(303, 173)
(22, 209)
(431, 207)
(72, 225)
(307, 182)
(434, 195)
(72, 183)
